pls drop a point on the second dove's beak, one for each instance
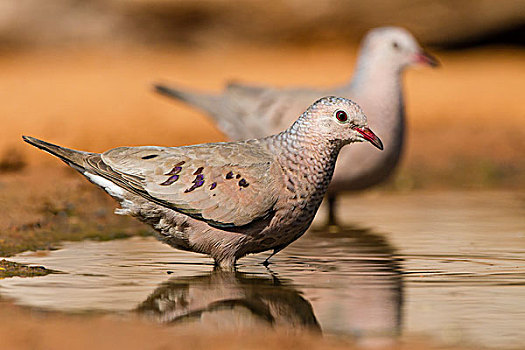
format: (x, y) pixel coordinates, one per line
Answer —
(370, 137)
(426, 58)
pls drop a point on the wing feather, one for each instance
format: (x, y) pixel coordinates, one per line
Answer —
(226, 185)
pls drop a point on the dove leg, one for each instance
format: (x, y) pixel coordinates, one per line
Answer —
(267, 261)
(332, 217)
(225, 264)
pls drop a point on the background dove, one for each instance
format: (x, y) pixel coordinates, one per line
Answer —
(229, 199)
(244, 112)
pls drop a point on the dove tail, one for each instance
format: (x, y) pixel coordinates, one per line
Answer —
(88, 164)
(71, 157)
(169, 92)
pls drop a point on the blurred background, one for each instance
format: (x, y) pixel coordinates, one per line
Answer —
(217, 23)
(80, 73)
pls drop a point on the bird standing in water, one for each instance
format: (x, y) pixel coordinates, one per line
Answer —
(229, 199)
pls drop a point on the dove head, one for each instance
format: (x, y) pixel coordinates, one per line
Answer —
(338, 120)
(395, 47)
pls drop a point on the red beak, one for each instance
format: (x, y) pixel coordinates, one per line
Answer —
(370, 137)
(426, 58)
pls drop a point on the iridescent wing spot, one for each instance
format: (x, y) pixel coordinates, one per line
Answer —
(173, 174)
(197, 182)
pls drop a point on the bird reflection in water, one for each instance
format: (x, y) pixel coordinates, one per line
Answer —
(230, 300)
(359, 284)
(352, 285)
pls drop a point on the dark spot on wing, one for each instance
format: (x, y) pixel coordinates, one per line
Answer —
(197, 182)
(243, 183)
(176, 169)
(170, 180)
(213, 185)
(198, 171)
(194, 186)
(151, 156)
(238, 176)
(229, 176)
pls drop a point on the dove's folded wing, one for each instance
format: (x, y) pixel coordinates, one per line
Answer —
(245, 90)
(228, 185)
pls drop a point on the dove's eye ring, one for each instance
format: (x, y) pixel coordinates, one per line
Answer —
(395, 45)
(341, 116)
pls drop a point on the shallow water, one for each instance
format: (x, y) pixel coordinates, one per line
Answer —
(448, 266)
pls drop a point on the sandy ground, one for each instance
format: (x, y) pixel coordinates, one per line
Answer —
(39, 212)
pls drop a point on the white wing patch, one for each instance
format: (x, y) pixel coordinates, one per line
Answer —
(108, 186)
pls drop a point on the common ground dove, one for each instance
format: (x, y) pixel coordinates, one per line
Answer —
(243, 111)
(229, 199)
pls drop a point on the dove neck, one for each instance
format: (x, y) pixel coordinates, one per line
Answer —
(375, 74)
(306, 154)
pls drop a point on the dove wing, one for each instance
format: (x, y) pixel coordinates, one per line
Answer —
(226, 185)
(245, 90)
(254, 110)
(262, 111)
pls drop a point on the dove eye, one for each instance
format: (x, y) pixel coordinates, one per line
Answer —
(395, 45)
(341, 116)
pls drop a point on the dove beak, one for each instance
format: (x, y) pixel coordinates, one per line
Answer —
(426, 58)
(368, 135)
